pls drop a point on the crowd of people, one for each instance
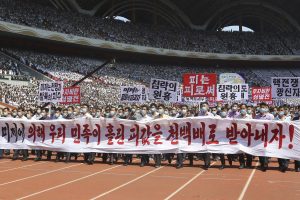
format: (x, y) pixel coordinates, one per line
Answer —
(103, 87)
(151, 111)
(7, 67)
(39, 15)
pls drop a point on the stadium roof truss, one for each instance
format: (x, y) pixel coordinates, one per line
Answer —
(210, 15)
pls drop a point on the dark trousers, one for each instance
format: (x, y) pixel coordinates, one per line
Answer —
(297, 164)
(38, 154)
(127, 159)
(144, 159)
(104, 157)
(263, 162)
(249, 160)
(1, 153)
(25, 154)
(157, 160)
(49, 154)
(59, 156)
(241, 159)
(68, 156)
(6, 152)
(191, 158)
(283, 164)
(222, 158)
(112, 158)
(169, 157)
(179, 159)
(16, 154)
(89, 157)
(206, 159)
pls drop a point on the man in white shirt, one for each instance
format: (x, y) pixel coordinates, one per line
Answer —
(89, 158)
(17, 152)
(204, 112)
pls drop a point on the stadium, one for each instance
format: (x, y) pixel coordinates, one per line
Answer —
(149, 99)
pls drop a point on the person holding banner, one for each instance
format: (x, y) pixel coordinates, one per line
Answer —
(235, 114)
(181, 156)
(5, 114)
(244, 115)
(161, 115)
(145, 118)
(283, 163)
(127, 157)
(44, 116)
(223, 115)
(57, 116)
(17, 152)
(112, 156)
(89, 158)
(69, 114)
(264, 115)
(204, 112)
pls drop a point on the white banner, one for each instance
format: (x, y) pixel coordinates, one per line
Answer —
(285, 87)
(232, 92)
(195, 135)
(163, 90)
(133, 94)
(51, 92)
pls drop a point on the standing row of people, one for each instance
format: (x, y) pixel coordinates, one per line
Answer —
(146, 113)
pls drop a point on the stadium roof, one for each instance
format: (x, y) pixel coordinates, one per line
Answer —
(211, 15)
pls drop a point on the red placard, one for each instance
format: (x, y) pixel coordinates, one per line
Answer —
(71, 95)
(199, 85)
(261, 94)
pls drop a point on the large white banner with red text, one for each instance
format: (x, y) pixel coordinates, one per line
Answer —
(196, 135)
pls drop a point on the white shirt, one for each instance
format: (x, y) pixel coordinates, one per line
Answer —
(240, 116)
(146, 119)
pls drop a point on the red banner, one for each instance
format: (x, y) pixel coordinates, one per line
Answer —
(261, 94)
(199, 85)
(71, 95)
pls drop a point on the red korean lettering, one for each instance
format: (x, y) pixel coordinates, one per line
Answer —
(231, 133)
(52, 132)
(173, 134)
(97, 133)
(277, 135)
(58, 132)
(145, 135)
(120, 135)
(40, 130)
(61, 132)
(76, 133)
(86, 133)
(212, 135)
(32, 132)
(263, 135)
(157, 135)
(110, 134)
(135, 131)
(185, 132)
(247, 133)
(199, 133)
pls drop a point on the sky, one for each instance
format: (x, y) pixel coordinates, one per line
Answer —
(228, 28)
(236, 28)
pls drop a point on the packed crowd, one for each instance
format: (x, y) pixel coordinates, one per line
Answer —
(156, 111)
(36, 14)
(104, 86)
(7, 67)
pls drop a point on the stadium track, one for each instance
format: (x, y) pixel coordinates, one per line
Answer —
(75, 180)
